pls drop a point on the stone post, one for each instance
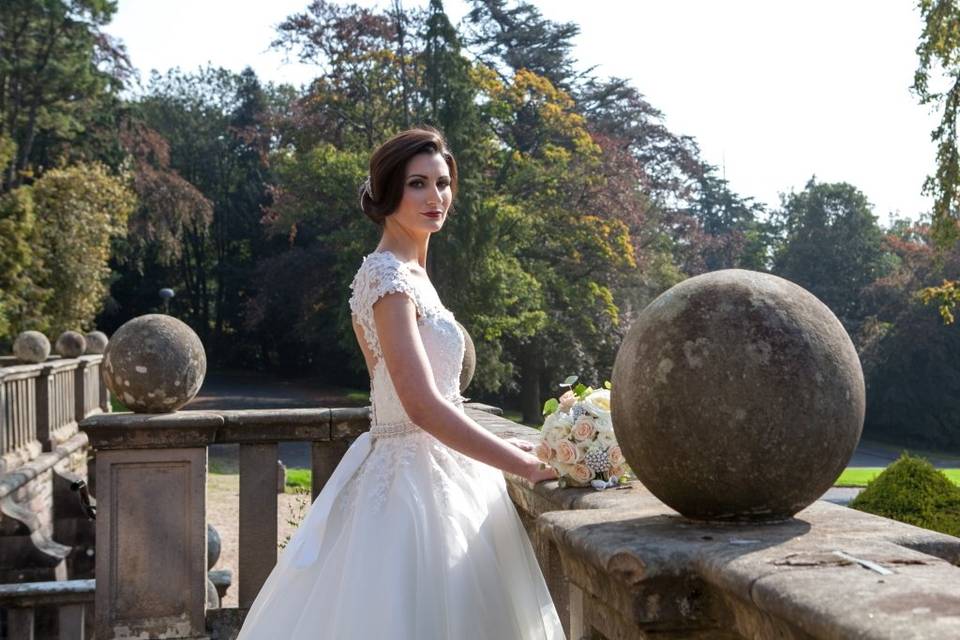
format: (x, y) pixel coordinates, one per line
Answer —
(56, 402)
(151, 563)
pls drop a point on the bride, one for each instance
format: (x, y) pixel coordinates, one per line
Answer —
(413, 537)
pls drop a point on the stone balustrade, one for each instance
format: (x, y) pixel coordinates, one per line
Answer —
(44, 533)
(619, 563)
(73, 600)
(155, 466)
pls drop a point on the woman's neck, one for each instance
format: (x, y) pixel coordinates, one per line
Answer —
(405, 248)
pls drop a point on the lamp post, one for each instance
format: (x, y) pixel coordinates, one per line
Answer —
(166, 293)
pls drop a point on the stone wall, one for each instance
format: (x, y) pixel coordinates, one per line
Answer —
(621, 564)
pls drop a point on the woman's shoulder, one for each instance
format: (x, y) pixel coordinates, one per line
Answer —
(380, 273)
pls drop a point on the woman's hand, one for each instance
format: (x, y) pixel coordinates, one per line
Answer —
(520, 443)
(541, 474)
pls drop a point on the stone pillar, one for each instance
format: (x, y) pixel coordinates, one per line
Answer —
(151, 555)
(56, 402)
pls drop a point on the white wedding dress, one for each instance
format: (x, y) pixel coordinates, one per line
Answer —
(409, 539)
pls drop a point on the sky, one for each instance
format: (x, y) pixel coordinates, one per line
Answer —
(773, 91)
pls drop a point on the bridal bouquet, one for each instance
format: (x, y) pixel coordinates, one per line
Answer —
(577, 438)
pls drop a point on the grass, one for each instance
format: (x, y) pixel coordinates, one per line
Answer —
(116, 405)
(860, 476)
(359, 397)
(298, 479)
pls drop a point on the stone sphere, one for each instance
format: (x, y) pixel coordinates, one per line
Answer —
(213, 596)
(213, 546)
(469, 360)
(737, 396)
(96, 342)
(31, 346)
(70, 344)
(154, 364)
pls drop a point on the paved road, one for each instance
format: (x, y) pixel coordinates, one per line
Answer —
(256, 391)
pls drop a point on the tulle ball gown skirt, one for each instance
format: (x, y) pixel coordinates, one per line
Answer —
(408, 540)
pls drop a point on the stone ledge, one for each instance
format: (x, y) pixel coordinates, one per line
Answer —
(152, 430)
(55, 592)
(664, 571)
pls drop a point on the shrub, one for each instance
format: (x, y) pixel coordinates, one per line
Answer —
(911, 490)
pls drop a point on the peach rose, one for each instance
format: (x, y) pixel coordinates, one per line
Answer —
(615, 455)
(567, 452)
(544, 451)
(584, 429)
(562, 469)
(581, 473)
(567, 400)
(617, 470)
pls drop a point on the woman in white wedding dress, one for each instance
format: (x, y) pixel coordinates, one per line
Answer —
(414, 536)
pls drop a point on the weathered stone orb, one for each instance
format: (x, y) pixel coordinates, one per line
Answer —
(154, 364)
(31, 346)
(96, 342)
(737, 396)
(469, 360)
(213, 546)
(70, 344)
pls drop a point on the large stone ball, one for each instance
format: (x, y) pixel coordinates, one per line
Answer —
(31, 346)
(737, 396)
(469, 360)
(154, 364)
(96, 342)
(71, 344)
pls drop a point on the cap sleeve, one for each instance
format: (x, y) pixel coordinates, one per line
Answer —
(381, 273)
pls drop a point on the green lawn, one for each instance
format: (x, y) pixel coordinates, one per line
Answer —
(860, 476)
(298, 478)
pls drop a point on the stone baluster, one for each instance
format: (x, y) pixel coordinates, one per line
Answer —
(151, 480)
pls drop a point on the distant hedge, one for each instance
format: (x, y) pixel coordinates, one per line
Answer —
(911, 490)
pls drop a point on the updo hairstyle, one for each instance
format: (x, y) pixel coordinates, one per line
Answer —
(381, 192)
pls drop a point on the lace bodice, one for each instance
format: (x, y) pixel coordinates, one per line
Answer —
(382, 273)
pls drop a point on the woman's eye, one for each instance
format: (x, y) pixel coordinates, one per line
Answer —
(416, 183)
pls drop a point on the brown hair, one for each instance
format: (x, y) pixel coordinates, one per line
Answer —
(381, 192)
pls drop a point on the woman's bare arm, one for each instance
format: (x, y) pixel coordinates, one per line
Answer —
(409, 368)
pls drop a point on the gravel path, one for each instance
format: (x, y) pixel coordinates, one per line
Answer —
(245, 391)
(223, 507)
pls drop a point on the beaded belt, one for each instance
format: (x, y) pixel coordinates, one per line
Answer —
(392, 429)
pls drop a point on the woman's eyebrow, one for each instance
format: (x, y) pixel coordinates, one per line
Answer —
(418, 175)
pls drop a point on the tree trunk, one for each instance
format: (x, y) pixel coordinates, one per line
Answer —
(531, 368)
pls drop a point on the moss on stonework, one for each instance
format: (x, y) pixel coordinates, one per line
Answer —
(911, 490)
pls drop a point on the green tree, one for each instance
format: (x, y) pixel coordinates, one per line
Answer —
(203, 172)
(58, 74)
(939, 53)
(19, 295)
(79, 210)
(831, 244)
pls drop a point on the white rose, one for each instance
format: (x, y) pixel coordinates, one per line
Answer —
(557, 434)
(558, 419)
(598, 404)
(606, 438)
